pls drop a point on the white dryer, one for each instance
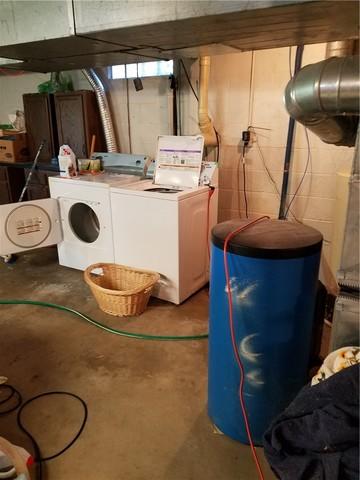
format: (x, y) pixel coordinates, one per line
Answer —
(163, 225)
(77, 218)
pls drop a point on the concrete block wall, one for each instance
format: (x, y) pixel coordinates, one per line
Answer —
(247, 89)
(150, 113)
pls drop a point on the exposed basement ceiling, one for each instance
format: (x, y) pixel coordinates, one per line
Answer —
(65, 34)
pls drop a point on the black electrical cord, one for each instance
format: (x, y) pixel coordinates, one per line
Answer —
(13, 397)
(289, 145)
(303, 175)
(174, 87)
(64, 449)
(179, 85)
(244, 181)
(38, 458)
(271, 178)
(217, 146)
(188, 79)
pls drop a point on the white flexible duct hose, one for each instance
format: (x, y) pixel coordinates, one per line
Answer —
(104, 109)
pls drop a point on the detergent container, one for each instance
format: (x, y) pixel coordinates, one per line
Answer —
(273, 267)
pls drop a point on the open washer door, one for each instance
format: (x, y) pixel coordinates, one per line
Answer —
(28, 225)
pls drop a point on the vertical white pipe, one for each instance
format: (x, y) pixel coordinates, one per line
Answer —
(205, 123)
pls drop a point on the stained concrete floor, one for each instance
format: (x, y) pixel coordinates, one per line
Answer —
(146, 399)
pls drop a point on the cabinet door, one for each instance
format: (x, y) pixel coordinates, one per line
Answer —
(71, 123)
(11, 184)
(40, 177)
(93, 125)
(40, 125)
(16, 182)
(35, 192)
(39, 184)
(4, 193)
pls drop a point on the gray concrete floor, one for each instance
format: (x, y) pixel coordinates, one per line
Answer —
(147, 400)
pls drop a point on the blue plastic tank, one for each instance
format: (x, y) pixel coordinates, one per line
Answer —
(273, 267)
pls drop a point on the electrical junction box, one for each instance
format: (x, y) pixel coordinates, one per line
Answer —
(209, 174)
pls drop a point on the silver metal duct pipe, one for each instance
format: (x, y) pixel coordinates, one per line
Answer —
(324, 97)
(104, 109)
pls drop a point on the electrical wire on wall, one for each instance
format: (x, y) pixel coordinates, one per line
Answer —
(218, 145)
(188, 79)
(289, 143)
(309, 157)
(250, 115)
(179, 86)
(244, 182)
(245, 141)
(251, 89)
(273, 181)
(308, 162)
(128, 114)
(271, 178)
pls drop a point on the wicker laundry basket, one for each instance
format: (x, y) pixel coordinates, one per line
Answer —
(120, 290)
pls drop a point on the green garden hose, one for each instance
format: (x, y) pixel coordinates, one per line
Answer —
(122, 333)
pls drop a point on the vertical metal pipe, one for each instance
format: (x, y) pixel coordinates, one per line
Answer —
(289, 145)
(173, 87)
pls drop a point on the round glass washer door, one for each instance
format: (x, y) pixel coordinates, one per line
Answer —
(84, 222)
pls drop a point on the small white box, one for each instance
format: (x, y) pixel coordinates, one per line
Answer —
(67, 162)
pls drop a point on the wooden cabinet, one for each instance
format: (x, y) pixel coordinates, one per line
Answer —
(39, 185)
(39, 109)
(70, 118)
(4, 186)
(12, 181)
(78, 119)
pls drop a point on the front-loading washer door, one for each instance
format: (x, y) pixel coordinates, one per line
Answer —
(84, 221)
(87, 231)
(28, 225)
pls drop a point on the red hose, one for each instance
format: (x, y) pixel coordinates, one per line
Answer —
(211, 191)
(233, 341)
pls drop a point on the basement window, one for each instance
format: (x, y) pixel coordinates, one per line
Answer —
(143, 69)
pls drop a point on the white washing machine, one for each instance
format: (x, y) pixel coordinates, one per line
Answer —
(77, 218)
(163, 225)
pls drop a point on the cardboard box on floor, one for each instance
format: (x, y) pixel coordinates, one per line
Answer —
(13, 147)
